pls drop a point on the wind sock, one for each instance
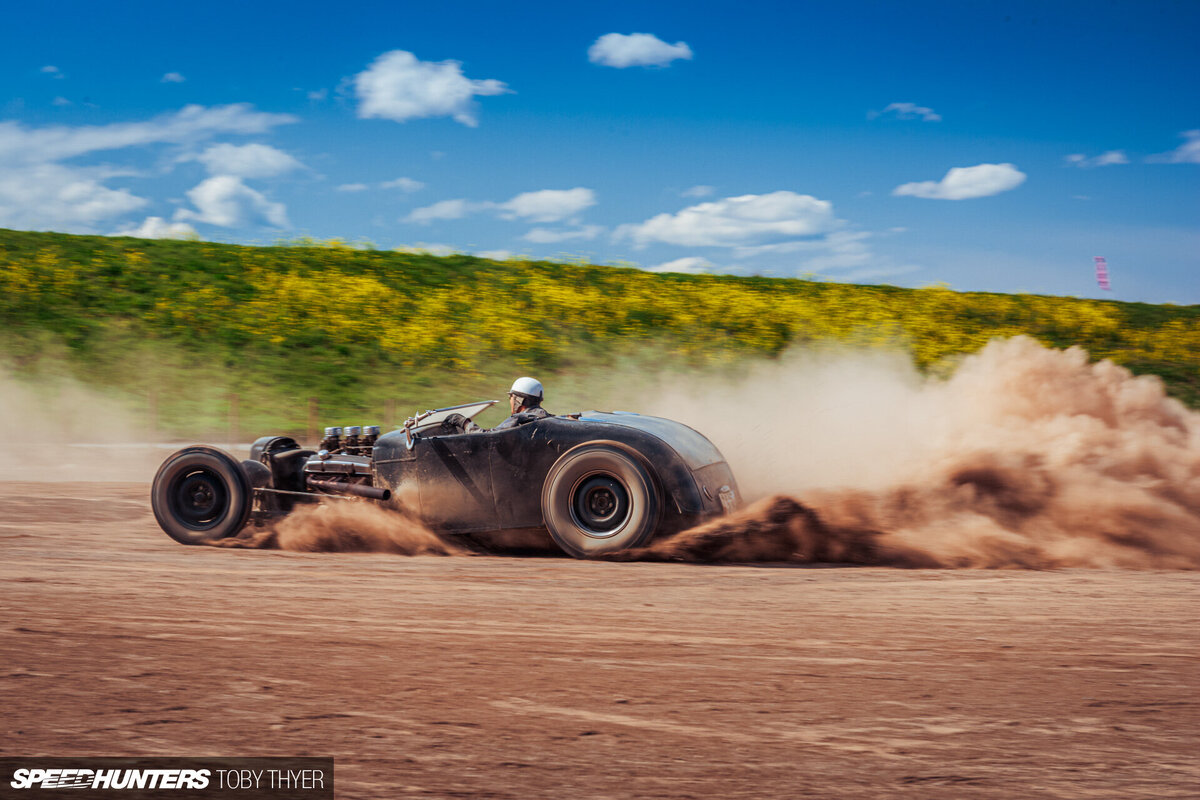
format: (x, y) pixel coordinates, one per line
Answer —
(1102, 273)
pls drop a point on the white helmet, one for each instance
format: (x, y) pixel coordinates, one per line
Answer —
(527, 388)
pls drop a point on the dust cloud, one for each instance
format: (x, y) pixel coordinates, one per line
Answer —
(1021, 457)
(345, 526)
(66, 431)
(1024, 457)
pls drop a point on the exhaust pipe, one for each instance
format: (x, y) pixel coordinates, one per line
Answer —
(356, 489)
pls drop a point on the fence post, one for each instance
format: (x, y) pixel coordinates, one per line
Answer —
(233, 418)
(152, 414)
(313, 436)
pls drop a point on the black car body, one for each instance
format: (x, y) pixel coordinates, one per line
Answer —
(598, 481)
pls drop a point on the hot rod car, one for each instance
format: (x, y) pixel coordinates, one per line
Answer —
(598, 481)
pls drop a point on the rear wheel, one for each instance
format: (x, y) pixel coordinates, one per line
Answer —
(200, 494)
(599, 499)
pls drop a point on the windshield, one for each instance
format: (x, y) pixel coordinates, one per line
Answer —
(468, 410)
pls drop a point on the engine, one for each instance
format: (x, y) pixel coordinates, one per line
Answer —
(343, 464)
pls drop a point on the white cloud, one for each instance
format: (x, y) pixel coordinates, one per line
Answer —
(1102, 160)
(247, 160)
(548, 205)
(496, 255)
(404, 184)
(352, 187)
(689, 264)
(60, 101)
(225, 201)
(843, 250)
(428, 248)
(907, 111)
(844, 255)
(780, 233)
(736, 221)
(876, 273)
(53, 71)
(1111, 157)
(38, 192)
(317, 95)
(399, 86)
(699, 191)
(57, 197)
(547, 235)
(190, 124)
(1186, 153)
(173, 77)
(636, 50)
(966, 183)
(444, 209)
(838, 251)
(158, 228)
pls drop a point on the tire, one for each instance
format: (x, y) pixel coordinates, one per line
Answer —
(598, 499)
(200, 494)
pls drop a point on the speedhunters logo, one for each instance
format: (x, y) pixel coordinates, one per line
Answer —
(243, 778)
(110, 779)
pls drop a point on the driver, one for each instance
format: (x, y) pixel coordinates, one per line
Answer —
(524, 400)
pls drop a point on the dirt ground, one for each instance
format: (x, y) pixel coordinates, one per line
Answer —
(549, 678)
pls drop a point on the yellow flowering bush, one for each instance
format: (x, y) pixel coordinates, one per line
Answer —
(322, 304)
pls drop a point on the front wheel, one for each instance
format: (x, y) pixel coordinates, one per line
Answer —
(200, 494)
(599, 499)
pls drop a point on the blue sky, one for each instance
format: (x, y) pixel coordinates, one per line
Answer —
(988, 146)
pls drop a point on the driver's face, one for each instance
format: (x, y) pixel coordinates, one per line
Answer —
(513, 403)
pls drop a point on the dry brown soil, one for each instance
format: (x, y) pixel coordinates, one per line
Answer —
(541, 677)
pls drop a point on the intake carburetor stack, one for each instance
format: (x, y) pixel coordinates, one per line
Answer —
(351, 440)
